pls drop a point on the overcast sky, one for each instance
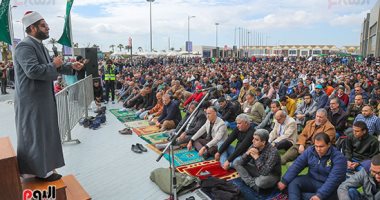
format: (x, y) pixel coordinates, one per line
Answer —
(106, 22)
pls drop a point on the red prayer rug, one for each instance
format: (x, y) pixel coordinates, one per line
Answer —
(208, 168)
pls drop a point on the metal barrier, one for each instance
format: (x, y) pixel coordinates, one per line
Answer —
(72, 104)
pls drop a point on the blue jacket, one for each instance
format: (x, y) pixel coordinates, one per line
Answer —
(321, 98)
(171, 112)
(330, 170)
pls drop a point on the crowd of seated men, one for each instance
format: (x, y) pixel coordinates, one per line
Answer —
(320, 116)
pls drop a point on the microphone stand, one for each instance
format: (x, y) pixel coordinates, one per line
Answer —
(169, 146)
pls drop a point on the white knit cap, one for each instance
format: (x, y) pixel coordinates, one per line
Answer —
(30, 18)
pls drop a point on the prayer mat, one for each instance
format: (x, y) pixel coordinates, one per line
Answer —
(156, 138)
(146, 130)
(128, 118)
(125, 116)
(185, 157)
(137, 124)
(208, 168)
(153, 148)
(125, 113)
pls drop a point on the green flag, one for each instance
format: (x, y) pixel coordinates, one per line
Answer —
(5, 35)
(66, 35)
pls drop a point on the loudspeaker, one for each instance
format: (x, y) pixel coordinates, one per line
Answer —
(92, 66)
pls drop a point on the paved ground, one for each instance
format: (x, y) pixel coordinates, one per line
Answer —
(7, 97)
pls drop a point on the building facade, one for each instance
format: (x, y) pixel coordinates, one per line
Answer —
(369, 37)
(290, 50)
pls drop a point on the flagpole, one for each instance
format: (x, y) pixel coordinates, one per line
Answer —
(71, 36)
(10, 22)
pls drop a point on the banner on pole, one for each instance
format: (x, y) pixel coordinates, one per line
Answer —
(5, 34)
(66, 35)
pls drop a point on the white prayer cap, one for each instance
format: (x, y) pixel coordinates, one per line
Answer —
(30, 18)
(245, 81)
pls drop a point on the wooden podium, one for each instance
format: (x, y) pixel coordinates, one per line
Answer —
(11, 188)
(10, 184)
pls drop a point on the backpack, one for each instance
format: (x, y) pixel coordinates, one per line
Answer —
(185, 183)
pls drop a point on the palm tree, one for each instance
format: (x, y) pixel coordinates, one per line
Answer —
(112, 46)
(76, 45)
(126, 47)
(53, 42)
(4, 51)
(95, 46)
(120, 46)
(140, 49)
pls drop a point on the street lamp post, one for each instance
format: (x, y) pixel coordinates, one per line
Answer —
(248, 47)
(11, 31)
(188, 27)
(188, 33)
(150, 21)
(216, 38)
(23, 28)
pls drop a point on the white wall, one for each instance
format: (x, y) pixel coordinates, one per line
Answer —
(374, 14)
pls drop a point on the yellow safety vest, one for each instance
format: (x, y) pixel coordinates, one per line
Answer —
(109, 73)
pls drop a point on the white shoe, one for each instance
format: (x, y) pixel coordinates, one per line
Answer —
(122, 109)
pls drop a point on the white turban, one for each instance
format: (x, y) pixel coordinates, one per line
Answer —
(30, 18)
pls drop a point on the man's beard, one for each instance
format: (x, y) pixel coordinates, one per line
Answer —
(41, 35)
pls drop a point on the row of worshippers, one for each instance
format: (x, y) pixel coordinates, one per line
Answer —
(208, 134)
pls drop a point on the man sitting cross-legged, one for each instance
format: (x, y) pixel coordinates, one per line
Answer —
(153, 114)
(369, 117)
(305, 139)
(171, 115)
(367, 178)
(216, 132)
(305, 111)
(194, 124)
(337, 116)
(259, 168)
(228, 112)
(327, 170)
(269, 121)
(360, 147)
(227, 154)
(284, 134)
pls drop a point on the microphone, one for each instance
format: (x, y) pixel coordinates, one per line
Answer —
(208, 89)
(55, 51)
